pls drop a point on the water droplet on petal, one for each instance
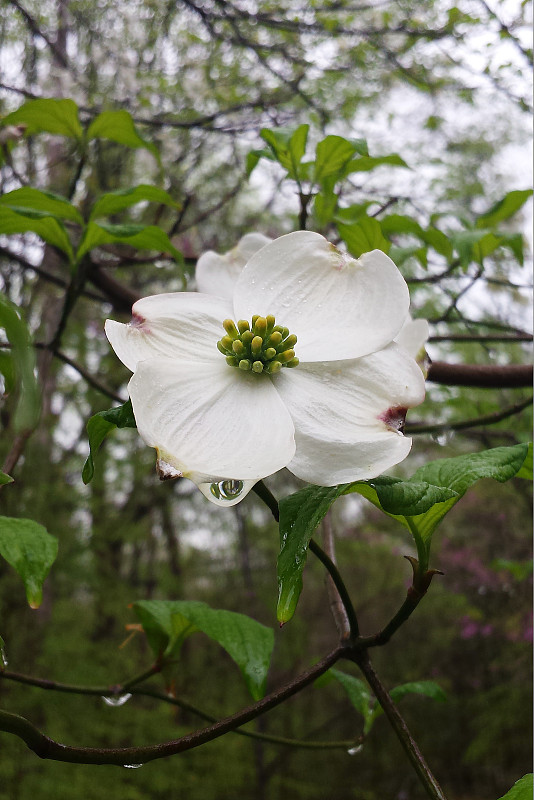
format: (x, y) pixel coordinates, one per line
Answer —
(226, 492)
(353, 751)
(117, 700)
(228, 489)
(3, 658)
(132, 766)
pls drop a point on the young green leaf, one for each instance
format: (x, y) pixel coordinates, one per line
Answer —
(143, 237)
(31, 550)
(247, 642)
(504, 209)
(363, 236)
(367, 163)
(112, 202)
(19, 370)
(29, 199)
(331, 156)
(99, 426)
(47, 115)
(526, 468)
(419, 503)
(48, 228)
(5, 479)
(358, 694)
(521, 790)
(118, 126)
(288, 146)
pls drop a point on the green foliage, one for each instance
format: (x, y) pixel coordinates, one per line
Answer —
(419, 503)
(31, 551)
(5, 479)
(28, 199)
(18, 366)
(521, 790)
(365, 703)
(47, 116)
(118, 126)
(247, 642)
(142, 237)
(113, 202)
(510, 204)
(49, 228)
(99, 426)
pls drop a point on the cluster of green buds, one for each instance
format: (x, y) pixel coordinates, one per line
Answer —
(262, 346)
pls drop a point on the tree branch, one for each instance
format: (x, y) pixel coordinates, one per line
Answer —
(47, 748)
(512, 376)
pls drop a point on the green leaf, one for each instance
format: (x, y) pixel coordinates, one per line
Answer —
(521, 790)
(247, 642)
(358, 694)
(253, 159)
(21, 369)
(7, 370)
(54, 205)
(363, 236)
(367, 163)
(464, 242)
(47, 116)
(427, 688)
(113, 202)
(99, 427)
(31, 550)
(331, 156)
(143, 237)
(419, 503)
(5, 479)
(118, 126)
(504, 209)
(288, 146)
(48, 228)
(526, 469)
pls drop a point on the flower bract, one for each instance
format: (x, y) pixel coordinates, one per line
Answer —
(298, 369)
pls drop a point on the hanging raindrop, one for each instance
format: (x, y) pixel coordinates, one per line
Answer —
(3, 657)
(443, 437)
(228, 489)
(117, 700)
(355, 750)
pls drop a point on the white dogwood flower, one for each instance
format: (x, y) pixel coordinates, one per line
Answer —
(299, 370)
(216, 274)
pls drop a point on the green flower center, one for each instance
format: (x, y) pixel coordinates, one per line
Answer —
(262, 346)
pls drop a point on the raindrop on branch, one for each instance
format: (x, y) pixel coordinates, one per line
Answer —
(353, 751)
(117, 700)
(3, 657)
(443, 437)
(132, 766)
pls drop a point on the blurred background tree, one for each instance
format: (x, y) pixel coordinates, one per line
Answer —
(440, 88)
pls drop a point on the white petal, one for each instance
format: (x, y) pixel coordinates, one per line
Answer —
(211, 423)
(337, 306)
(347, 414)
(216, 274)
(181, 325)
(413, 335)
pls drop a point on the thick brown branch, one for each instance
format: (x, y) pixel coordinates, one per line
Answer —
(512, 376)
